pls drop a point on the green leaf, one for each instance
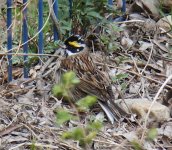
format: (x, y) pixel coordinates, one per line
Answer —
(33, 147)
(17, 60)
(69, 78)
(63, 116)
(76, 134)
(68, 81)
(152, 134)
(75, 81)
(57, 90)
(94, 14)
(90, 137)
(111, 46)
(104, 39)
(94, 126)
(120, 76)
(123, 86)
(86, 102)
(67, 135)
(136, 145)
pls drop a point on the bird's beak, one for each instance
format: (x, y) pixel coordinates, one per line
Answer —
(75, 44)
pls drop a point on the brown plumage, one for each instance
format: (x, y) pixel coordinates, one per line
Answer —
(92, 80)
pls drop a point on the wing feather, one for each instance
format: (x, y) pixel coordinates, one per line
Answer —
(93, 82)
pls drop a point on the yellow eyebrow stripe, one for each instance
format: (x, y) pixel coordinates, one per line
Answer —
(75, 44)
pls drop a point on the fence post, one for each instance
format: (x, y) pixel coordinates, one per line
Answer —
(70, 8)
(9, 38)
(123, 9)
(40, 25)
(110, 2)
(55, 8)
(25, 39)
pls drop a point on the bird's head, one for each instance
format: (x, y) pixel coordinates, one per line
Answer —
(74, 45)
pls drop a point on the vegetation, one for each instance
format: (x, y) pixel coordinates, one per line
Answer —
(33, 117)
(82, 133)
(84, 18)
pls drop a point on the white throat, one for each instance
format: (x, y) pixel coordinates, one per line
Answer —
(69, 53)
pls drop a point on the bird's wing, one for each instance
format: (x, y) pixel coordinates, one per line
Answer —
(93, 82)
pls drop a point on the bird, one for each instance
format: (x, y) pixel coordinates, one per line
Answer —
(92, 80)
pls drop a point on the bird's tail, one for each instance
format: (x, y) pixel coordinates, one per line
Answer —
(112, 110)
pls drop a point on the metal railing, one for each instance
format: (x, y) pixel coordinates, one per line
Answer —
(25, 31)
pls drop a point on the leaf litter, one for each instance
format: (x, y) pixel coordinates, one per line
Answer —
(27, 110)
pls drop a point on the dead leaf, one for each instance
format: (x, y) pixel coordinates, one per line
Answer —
(130, 136)
(10, 129)
(140, 106)
(150, 7)
(27, 98)
(168, 130)
(134, 88)
(145, 45)
(165, 22)
(2, 4)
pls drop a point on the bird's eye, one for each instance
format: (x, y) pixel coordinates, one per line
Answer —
(77, 50)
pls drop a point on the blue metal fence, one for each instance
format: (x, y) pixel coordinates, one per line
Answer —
(40, 26)
(55, 7)
(25, 31)
(9, 38)
(25, 39)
